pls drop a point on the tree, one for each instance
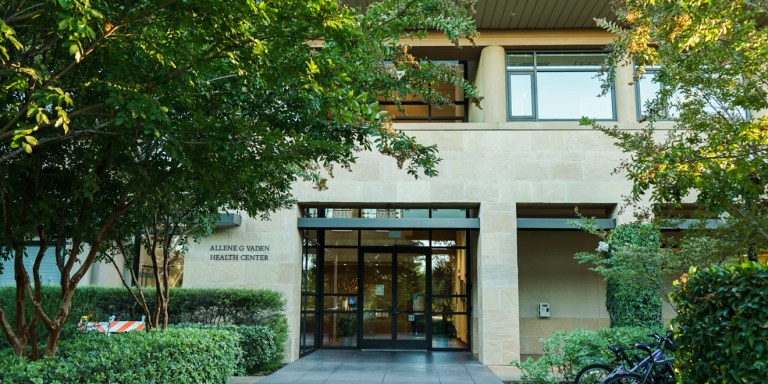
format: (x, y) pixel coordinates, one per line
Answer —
(165, 231)
(634, 266)
(712, 70)
(115, 113)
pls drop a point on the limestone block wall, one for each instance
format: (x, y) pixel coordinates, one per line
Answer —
(549, 273)
(257, 254)
(495, 165)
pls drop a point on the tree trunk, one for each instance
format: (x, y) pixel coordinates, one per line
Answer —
(33, 337)
(53, 341)
(20, 346)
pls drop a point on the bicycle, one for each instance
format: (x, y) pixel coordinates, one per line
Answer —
(596, 372)
(654, 369)
(599, 372)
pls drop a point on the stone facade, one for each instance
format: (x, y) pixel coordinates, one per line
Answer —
(487, 162)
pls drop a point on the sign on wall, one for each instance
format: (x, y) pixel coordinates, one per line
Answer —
(239, 252)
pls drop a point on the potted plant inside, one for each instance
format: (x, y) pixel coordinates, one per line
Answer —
(346, 328)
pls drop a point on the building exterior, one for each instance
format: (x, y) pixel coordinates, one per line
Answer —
(479, 258)
(462, 260)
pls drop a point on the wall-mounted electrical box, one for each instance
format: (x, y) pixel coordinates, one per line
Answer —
(543, 309)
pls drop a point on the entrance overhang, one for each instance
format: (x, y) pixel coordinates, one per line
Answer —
(434, 223)
(564, 223)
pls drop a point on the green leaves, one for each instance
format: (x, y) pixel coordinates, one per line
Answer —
(712, 70)
(113, 109)
(722, 314)
(634, 267)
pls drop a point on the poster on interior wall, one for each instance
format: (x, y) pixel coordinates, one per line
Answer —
(418, 303)
(379, 289)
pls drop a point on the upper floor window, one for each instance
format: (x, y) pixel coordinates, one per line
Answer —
(649, 104)
(646, 90)
(413, 110)
(557, 86)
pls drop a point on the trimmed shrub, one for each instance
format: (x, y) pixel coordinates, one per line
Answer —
(260, 307)
(172, 356)
(723, 324)
(262, 351)
(568, 351)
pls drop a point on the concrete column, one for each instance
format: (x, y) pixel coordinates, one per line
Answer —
(626, 111)
(492, 86)
(498, 309)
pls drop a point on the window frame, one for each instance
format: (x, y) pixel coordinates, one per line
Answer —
(533, 72)
(648, 75)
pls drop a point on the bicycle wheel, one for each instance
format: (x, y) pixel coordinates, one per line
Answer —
(592, 374)
(623, 378)
(664, 374)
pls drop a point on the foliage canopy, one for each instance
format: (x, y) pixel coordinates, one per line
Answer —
(711, 58)
(120, 115)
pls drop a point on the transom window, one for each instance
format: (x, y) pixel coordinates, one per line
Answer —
(557, 86)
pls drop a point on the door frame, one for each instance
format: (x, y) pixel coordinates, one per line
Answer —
(393, 342)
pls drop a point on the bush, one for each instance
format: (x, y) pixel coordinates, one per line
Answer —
(723, 324)
(260, 307)
(634, 300)
(568, 351)
(262, 350)
(172, 356)
(631, 261)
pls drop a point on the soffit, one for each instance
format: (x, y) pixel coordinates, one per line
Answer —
(532, 14)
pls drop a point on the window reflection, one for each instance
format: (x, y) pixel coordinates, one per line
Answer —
(409, 237)
(341, 237)
(340, 271)
(309, 270)
(557, 86)
(450, 331)
(571, 95)
(520, 94)
(418, 285)
(449, 272)
(648, 89)
(340, 330)
(449, 213)
(147, 271)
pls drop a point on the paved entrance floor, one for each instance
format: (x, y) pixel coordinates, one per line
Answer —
(384, 367)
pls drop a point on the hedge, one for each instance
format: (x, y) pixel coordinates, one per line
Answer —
(262, 351)
(260, 307)
(172, 356)
(568, 351)
(723, 324)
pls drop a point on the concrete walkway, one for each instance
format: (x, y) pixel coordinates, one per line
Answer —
(385, 367)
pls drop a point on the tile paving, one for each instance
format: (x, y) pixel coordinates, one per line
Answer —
(328, 366)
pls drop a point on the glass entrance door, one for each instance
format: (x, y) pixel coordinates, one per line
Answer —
(394, 295)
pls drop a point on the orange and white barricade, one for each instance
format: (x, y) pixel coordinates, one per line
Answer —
(125, 326)
(111, 326)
